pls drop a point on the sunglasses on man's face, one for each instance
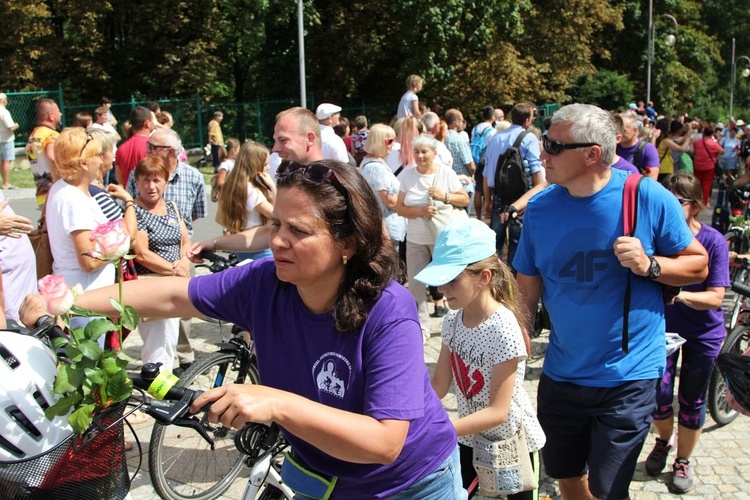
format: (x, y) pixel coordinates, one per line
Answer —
(553, 147)
(150, 147)
(315, 172)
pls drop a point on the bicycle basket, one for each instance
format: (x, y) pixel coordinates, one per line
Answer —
(74, 471)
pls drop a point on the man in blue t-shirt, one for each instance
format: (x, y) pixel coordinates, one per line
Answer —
(506, 215)
(595, 400)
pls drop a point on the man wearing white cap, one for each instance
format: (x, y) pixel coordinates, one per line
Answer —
(7, 138)
(333, 146)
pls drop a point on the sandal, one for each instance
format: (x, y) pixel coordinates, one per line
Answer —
(137, 417)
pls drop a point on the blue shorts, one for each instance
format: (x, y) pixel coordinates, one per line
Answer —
(596, 429)
(7, 151)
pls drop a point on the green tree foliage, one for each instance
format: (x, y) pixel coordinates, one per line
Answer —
(607, 89)
(470, 52)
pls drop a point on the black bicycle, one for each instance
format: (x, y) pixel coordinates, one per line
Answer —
(737, 341)
(185, 465)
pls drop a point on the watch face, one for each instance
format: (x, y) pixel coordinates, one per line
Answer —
(655, 268)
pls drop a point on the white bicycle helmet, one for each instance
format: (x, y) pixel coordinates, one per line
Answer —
(27, 374)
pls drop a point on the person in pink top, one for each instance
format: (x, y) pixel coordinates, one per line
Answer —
(130, 152)
(706, 152)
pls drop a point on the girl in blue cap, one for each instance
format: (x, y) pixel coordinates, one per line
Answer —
(484, 349)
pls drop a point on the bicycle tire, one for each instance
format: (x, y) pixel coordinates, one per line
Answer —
(737, 341)
(181, 463)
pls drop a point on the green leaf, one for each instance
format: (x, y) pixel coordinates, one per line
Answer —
(116, 305)
(78, 334)
(68, 379)
(62, 406)
(80, 420)
(121, 356)
(129, 318)
(119, 387)
(94, 374)
(98, 327)
(73, 353)
(59, 342)
(90, 349)
(87, 386)
(109, 365)
(128, 257)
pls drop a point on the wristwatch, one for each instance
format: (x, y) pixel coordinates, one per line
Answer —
(654, 271)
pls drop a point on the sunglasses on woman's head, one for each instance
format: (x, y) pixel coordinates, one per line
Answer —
(553, 147)
(389, 141)
(315, 172)
(88, 139)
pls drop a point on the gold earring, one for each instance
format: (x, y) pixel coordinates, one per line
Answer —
(345, 259)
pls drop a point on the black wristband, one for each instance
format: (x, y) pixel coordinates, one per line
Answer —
(511, 211)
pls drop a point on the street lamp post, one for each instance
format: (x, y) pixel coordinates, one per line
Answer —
(745, 73)
(301, 37)
(669, 40)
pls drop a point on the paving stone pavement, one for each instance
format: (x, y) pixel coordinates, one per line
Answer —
(721, 459)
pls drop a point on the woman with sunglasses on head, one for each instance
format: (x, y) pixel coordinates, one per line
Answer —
(246, 200)
(338, 342)
(382, 181)
(696, 315)
(72, 213)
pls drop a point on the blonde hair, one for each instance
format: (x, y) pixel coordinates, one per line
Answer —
(413, 82)
(250, 161)
(74, 145)
(502, 286)
(375, 144)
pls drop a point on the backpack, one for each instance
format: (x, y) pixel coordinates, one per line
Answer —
(478, 145)
(638, 155)
(512, 178)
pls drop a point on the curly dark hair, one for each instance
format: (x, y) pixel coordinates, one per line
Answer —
(351, 209)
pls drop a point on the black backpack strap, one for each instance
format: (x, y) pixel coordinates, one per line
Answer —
(639, 154)
(520, 137)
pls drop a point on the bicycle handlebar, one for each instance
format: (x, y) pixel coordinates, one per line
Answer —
(218, 263)
(741, 288)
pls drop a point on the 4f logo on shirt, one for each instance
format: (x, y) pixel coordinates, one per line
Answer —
(584, 265)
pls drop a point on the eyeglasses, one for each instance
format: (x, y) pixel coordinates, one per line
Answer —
(88, 139)
(553, 147)
(389, 141)
(315, 172)
(684, 201)
(150, 147)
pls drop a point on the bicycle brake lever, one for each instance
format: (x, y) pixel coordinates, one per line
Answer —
(195, 424)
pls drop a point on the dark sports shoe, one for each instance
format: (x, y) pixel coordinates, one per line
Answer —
(682, 476)
(657, 459)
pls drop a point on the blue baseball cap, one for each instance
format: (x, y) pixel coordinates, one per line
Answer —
(459, 244)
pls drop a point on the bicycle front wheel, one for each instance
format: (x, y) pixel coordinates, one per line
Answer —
(181, 463)
(737, 341)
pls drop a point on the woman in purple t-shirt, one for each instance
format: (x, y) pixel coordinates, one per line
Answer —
(696, 315)
(337, 339)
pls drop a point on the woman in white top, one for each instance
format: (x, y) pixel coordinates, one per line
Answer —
(382, 181)
(72, 213)
(419, 187)
(246, 200)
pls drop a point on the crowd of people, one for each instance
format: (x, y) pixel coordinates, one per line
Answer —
(339, 217)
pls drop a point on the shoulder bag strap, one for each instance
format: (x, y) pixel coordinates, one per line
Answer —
(629, 221)
(707, 151)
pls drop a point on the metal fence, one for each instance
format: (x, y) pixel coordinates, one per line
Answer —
(249, 120)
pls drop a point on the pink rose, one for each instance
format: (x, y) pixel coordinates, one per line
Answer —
(57, 296)
(111, 240)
